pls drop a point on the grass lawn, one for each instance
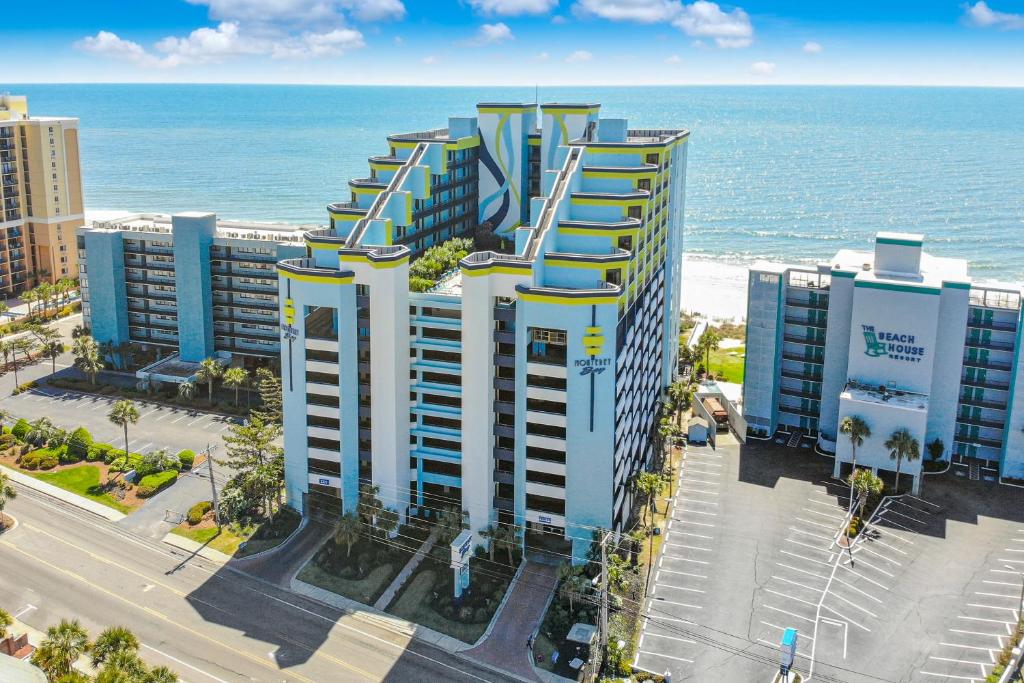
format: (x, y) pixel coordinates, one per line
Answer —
(83, 480)
(228, 539)
(728, 363)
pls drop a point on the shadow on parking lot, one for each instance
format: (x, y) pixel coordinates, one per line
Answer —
(764, 463)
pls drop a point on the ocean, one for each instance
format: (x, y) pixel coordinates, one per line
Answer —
(785, 173)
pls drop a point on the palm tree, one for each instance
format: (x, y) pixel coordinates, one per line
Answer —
(209, 370)
(866, 483)
(508, 538)
(573, 584)
(87, 357)
(40, 431)
(61, 648)
(856, 429)
(387, 521)
(235, 377)
(4, 308)
(347, 531)
(648, 484)
(112, 641)
(52, 350)
(490, 534)
(122, 414)
(187, 390)
(707, 343)
(25, 345)
(161, 674)
(7, 350)
(7, 493)
(6, 620)
(902, 446)
(123, 666)
(28, 298)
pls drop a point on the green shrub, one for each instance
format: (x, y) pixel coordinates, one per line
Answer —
(187, 459)
(24, 386)
(198, 511)
(98, 451)
(20, 429)
(7, 440)
(152, 484)
(118, 464)
(42, 459)
(79, 443)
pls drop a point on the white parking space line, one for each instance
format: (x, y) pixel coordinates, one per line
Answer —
(685, 559)
(846, 618)
(811, 534)
(792, 614)
(693, 535)
(972, 647)
(830, 527)
(693, 523)
(658, 654)
(700, 481)
(838, 518)
(783, 628)
(805, 558)
(775, 645)
(670, 602)
(700, 491)
(678, 588)
(790, 597)
(803, 571)
(676, 638)
(978, 633)
(690, 574)
(959, 678)
(163, 414)
(198, 419)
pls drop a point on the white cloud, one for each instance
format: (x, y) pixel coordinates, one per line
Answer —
(763, 68)
(301, 12)
(579, 56)
(281, 29)
(704, 19)
(399, 40)
(430, 59)
(110, 44)
(641, 11)
(700, 19)
(674, 59)
(558, 19)
(512, 8)
(813, 48)
(981, 15)
(542, 57)
(490, 34)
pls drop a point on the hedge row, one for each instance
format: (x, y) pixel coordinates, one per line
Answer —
(152, 484)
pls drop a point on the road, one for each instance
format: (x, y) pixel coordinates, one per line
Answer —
(208, 623)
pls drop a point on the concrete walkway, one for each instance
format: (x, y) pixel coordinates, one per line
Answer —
(505, 646)
(389, 594)
(78, 501)
(196, 548)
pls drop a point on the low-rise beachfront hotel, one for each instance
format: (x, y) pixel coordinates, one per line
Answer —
(187, 285)
(524, 386)
(897, 337)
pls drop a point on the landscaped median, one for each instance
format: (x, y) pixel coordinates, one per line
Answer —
(94, 471)
(235, 540)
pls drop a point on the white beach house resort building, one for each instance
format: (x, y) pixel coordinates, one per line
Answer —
(898, 337)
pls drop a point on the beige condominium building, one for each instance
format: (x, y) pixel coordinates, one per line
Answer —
(41, 192)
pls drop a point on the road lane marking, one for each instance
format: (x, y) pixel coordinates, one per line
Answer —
(163, 617)
(183, 663)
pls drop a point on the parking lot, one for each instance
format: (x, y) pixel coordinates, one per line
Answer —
(158, 426)
(750, 551)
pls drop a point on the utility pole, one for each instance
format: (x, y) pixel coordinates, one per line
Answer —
(604, 595)
(213, 486)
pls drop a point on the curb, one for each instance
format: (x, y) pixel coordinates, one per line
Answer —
(271, 551)
(188, 545)
(12, 526)
(98, 509)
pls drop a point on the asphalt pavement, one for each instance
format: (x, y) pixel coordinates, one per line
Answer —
(207, 622)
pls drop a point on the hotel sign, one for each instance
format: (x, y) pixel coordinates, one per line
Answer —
(893, 345)
(592, 365)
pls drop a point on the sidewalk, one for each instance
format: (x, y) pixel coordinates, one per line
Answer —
(505, 646)
(389, 593)
(92, 506)
(196, 548)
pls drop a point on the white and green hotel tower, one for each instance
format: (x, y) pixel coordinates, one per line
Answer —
(898, 337)
(524, 388)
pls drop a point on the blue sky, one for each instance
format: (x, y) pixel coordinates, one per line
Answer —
(517, 42)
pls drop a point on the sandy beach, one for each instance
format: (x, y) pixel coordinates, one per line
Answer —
(714, 289)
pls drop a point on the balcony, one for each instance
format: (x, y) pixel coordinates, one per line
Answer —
(985, 383)
(989, 344)
(801, 375)
(1003, 325)
(800, 393)
(818, 304)
(819, 324)
(796, 410)
(818, 359)
(979, 403)
(980, 422)
(813, 341)
(978, 441)
(987, 364)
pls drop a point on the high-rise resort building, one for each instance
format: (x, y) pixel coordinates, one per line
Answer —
(188, 286)
(522, 388)
(41, 192)
(899, 338)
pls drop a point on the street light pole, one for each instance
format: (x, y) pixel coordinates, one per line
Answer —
(213, 486)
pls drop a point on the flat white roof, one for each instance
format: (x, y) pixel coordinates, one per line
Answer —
(890, 397)
(226, 229)
(934, 269)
